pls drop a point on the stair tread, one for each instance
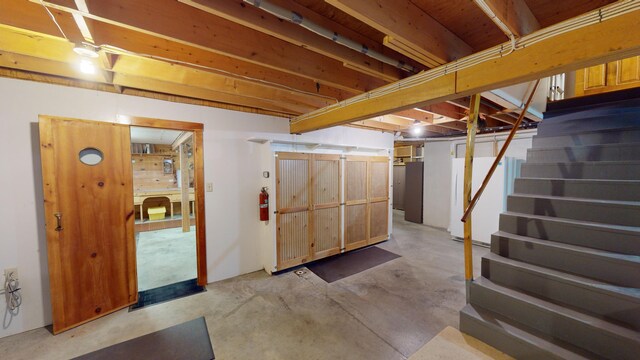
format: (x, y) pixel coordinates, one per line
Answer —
(588, 132)
(611, 145)
(628, 293)
(577, 199)
(525, 334)
(612, 256)
(598, 181)
(609, 227)
(604, 162)
(588, 320)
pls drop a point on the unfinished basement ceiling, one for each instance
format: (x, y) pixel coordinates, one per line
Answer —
(143, 135)
(231, 54)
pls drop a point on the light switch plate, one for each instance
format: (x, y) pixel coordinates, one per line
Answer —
(209, 187)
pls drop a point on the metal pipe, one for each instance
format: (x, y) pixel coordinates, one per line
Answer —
(298, 19)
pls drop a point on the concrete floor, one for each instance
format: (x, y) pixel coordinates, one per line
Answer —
(388, 312)
(165, 257)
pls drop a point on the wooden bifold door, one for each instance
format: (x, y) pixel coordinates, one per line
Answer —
(366, 214)
(309, 199)
(308, 207)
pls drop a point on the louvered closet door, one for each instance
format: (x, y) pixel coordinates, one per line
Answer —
(378, 199)
(326, 183)
(293, 203)
(356, 216)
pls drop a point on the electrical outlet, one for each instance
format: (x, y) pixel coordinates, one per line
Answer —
(9, 271)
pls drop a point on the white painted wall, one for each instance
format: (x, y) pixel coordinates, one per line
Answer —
(437, 169)
(233, 164)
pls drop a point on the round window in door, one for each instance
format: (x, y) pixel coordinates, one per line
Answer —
(91, 156)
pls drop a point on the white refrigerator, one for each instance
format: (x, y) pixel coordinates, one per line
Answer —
(486, 214)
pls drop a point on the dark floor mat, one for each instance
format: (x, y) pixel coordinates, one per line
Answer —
(341, 266)
(166, 293)
(189, 340)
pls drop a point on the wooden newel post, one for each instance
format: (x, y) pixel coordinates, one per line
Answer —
(472, 128)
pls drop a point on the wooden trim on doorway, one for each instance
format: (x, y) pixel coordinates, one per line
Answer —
(198, 150)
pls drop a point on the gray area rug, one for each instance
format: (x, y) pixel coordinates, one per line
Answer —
(340, 266)
(189, 340)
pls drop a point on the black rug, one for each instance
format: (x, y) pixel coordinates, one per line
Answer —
(166, 293)
(188, 341)
(347, 264)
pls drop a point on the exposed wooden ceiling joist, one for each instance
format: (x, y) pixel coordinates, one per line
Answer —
(32, 16)
(46, 54)
(585, 46)
(410, 30)
(185, 24)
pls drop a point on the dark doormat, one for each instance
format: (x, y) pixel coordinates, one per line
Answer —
(189, 341)
(341, 266)
(166, 293)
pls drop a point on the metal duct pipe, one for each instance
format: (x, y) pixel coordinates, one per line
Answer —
(298, 19)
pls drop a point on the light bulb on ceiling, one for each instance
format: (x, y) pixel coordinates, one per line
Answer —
(86, 50)
(87, 67)
(417, 129)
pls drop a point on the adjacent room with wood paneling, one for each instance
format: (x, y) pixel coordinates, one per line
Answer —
(320, 179)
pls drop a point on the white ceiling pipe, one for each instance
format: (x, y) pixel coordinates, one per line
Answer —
(496, 20)
(298, 19)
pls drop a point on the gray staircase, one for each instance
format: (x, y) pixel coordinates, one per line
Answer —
(562, 280)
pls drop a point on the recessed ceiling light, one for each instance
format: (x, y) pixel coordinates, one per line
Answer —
(86, 51)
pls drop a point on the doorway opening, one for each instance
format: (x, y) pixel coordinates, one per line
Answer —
(163, 163)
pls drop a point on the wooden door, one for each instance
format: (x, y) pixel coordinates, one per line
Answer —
(89, 218)
(293, 205)
(356, 213)
(616, 75)
(378, 199)
(326, 184)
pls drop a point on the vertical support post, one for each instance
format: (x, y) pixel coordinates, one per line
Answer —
(472, 128)
(184, 187)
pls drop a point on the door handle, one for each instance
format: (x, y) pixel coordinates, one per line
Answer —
(59, 221)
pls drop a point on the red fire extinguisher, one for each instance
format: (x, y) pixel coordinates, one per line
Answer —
(264, 204)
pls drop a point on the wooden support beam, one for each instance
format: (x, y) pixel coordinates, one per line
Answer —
(148, 74)
(412, 31)
(257, 19)
(178, 22)
(160, 70)
(444, 110)
(45, 66)
(32, 16)
(14, 73)
(611, 39)
(453, 125)
(171, 88)
(515, 15)
(487, 111)
(380, 125)
(416, 114)
(472, 128)
(184, 189)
